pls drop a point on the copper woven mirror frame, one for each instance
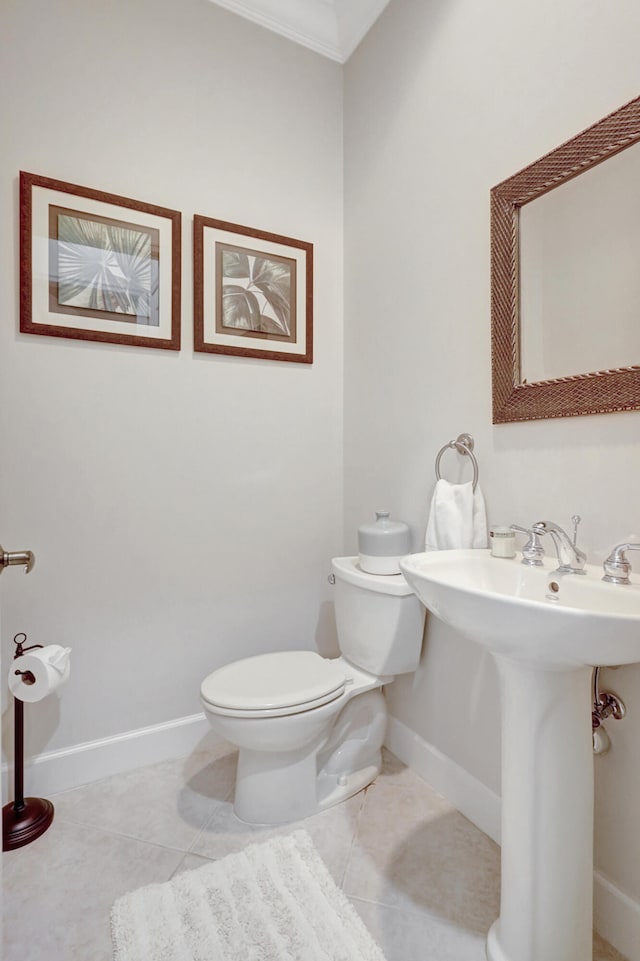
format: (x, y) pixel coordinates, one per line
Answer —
(590, 393)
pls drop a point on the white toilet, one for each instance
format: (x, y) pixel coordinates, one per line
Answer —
(310, 729)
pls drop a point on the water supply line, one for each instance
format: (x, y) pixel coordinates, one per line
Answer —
(605, 705)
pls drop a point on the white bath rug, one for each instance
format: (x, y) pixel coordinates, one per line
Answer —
(274, 901)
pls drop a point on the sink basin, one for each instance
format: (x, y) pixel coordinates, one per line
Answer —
(545, 631)
(530, 613)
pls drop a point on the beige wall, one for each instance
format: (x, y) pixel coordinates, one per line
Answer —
(442, 101)
(183, 508)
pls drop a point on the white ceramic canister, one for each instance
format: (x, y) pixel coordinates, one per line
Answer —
(382, 544)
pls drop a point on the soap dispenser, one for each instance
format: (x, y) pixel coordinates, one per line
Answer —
(382, 544)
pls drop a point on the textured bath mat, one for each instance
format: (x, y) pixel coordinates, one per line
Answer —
(274, 901)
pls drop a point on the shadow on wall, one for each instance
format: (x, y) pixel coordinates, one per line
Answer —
(41, 720)
(326, 633)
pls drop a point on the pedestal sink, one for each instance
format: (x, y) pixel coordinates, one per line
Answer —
(546, 631)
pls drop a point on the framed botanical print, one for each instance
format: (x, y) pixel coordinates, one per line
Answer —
(253, 292)
(96, 266)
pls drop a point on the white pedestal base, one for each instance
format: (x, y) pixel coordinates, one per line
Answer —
(547, 815)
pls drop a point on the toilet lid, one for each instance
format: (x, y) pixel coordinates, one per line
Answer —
(283, 683)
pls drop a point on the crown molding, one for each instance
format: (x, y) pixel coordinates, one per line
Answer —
(332, 28)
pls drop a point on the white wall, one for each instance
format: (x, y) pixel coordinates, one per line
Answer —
(183, 508)
(443, 100)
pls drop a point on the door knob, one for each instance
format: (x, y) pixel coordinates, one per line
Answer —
(13, 558)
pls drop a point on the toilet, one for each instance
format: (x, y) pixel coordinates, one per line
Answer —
(310, 729)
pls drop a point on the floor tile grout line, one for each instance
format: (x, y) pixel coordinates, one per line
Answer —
(354, 836)
(226, 800)
(421, 912)
(124, 836)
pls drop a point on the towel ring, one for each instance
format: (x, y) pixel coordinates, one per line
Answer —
(464, 445)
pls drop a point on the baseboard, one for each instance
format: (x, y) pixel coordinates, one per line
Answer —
(56, 771)
(616, 915)
(470, 796)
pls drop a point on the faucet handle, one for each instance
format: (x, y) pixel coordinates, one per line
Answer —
(617, 567)
(533, 551)
(575, 520)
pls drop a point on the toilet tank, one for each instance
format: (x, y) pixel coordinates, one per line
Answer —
(378, 617)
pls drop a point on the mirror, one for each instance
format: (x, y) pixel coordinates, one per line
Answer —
(565, 277)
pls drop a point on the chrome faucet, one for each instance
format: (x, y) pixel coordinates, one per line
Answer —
(616, 566)
(571, 559)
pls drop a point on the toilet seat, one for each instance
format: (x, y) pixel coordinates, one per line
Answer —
(273, 685)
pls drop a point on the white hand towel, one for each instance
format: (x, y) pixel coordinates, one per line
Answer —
(457, 517)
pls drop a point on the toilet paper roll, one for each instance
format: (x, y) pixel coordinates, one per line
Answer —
(42, 671)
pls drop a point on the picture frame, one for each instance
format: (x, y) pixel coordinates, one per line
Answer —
(253, 292)
(96, 266)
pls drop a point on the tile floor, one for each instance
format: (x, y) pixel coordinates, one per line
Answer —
(423, 878)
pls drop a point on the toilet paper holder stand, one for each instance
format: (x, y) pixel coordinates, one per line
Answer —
(23, 819)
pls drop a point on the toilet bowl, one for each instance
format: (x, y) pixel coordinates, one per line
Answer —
(310, 729)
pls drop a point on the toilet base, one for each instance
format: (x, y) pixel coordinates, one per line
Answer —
(349, 784)
(268, 806)
(273, 787)
(279, 787)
